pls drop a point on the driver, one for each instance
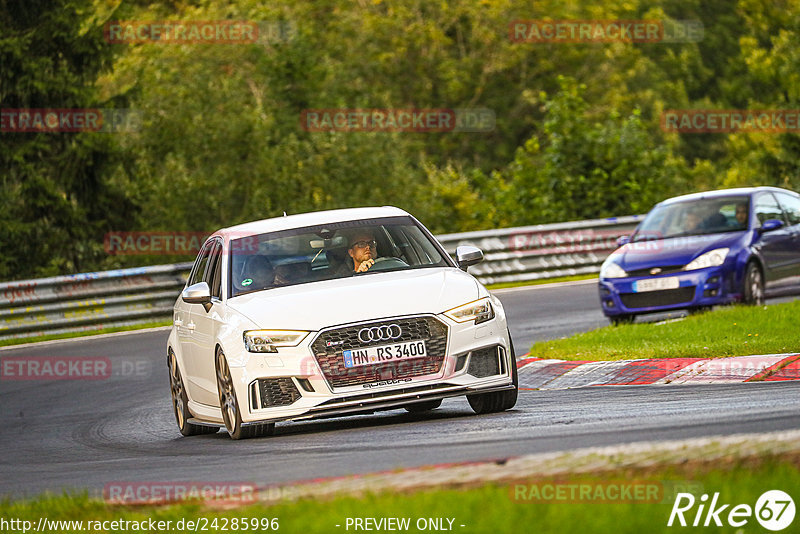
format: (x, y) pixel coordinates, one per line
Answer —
(363, 250)
(694, 219)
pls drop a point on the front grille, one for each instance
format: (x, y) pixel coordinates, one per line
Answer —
(666, 297)
(274, 392)
(665, 269)
(328, 347)
(484, 362)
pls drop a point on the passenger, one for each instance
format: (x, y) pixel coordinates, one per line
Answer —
(258, 274)
(742, 214)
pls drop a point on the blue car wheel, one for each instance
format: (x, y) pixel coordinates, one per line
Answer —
(753, 291)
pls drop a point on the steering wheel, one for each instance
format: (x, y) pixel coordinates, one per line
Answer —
(385, 263)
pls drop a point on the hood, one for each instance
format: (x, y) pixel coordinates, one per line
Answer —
(672, 251)
(317, 305)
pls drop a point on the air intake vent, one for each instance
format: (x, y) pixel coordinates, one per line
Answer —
(273, 392)
(485, 362)
(666, 297)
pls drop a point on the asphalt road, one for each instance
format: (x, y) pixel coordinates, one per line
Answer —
(86, 434)
(550, 311)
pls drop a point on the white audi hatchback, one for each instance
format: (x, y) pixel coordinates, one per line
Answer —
(333, 313)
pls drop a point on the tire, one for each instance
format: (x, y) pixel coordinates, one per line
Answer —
(617, 320)
(420, 407)
(753, 285)
(498, 401)
(180, 402)
(229, 405)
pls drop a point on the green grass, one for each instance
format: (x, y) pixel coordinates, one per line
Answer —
(490, 508)
(573, 278)
(69, 335)
(729, 331)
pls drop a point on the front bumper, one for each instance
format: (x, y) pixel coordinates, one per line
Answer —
(703, 287)
(308, 381)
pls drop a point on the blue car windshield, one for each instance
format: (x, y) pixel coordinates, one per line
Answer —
(695, 217)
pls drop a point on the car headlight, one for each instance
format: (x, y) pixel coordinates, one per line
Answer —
(268, 340)
(479, 311)
(712, 258)
(612, 270)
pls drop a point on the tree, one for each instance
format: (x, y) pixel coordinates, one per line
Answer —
(55, 198)
(581, 168)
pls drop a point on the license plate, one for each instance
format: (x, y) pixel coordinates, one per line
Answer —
(384, 353)
(656, 284)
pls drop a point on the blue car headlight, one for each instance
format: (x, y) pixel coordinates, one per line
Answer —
(712, 258)
(612, 270)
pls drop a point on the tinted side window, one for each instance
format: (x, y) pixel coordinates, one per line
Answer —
(767, 208)
(214, 272)
(200, 264)
(790, 205)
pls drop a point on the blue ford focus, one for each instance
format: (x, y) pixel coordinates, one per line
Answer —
(696, 251)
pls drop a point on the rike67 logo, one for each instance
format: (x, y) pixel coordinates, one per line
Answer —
(774, 510)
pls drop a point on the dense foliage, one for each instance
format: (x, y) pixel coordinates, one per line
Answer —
(577, 124)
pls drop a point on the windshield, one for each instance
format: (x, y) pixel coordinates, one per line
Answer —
(330, 251)
(695, 217)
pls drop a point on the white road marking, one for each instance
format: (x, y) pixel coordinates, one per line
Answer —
(545, 286)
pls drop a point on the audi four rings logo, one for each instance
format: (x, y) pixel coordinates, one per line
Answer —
(380, 333)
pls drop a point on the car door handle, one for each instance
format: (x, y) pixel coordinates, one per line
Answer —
(190, 326)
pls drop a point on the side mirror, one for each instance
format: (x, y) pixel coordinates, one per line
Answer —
(467, 255)
(198, 293)
(623, 240)
(770, 225)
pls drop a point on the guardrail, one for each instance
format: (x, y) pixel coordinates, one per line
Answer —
(91, 301)
(543, 251)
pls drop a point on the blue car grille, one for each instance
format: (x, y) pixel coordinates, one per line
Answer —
(665, 269)
(666, 297)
